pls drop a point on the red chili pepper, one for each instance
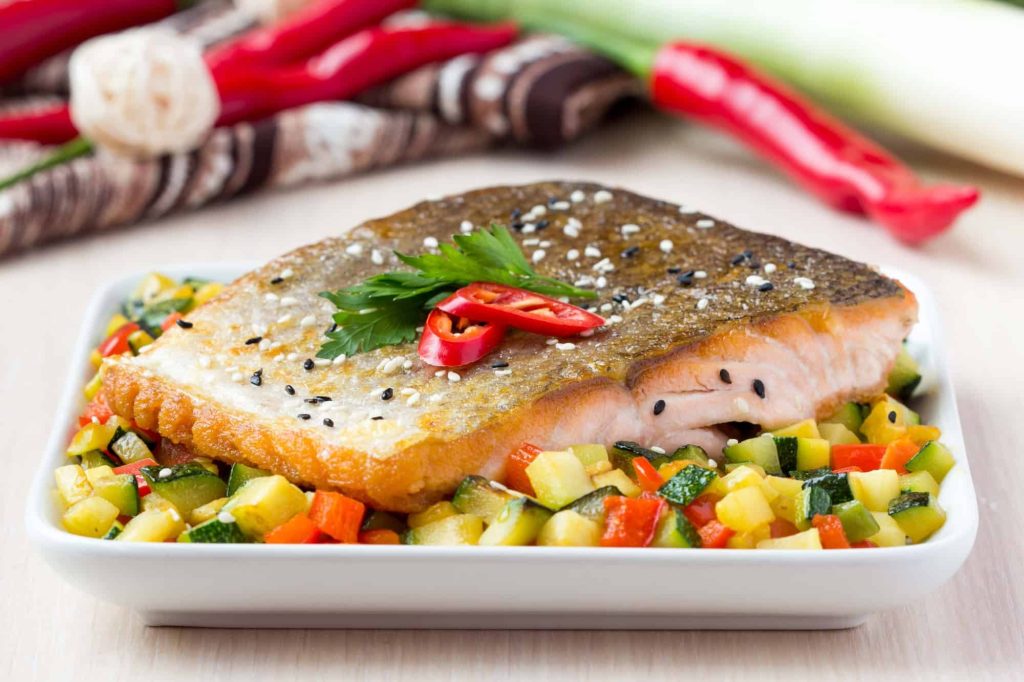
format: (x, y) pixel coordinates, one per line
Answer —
(840, 166)
(350, 66)
(117, 343)
(864, 456)
(45, 125)
(646, 475)
(714, 535)
(520, 309)
(96, 409)
(515, 468)
(830, 531)
(134, 469)
(630, 522)
(449, 341)
(33, 30)
(298, 36)
(702, 510)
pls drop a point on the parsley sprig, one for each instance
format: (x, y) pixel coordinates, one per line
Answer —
(386, 309)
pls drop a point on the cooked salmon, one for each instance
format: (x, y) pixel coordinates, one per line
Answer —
(708, 326)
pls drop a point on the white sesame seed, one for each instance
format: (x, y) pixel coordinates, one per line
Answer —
(376, 257)
(658, 299)
(538, 255)
(572, 254)
(630, 228)
(575, 222)
(731, 442)
(561, 205)
(307, 321)
(454, 377)
(577, 196)
(700, 274)
(533, 241)
(602, 196)
(271, 296)
(565, 346)
(439, 373)
(292, 356)
(606, 307)
(705, 223)
(614, 319)
(769, 268)
(354, 249)
(502, 372)
(584, 282)
(284, 319)
(237, 376)
(600, 283)
(571, 231)
(413, 399)
(551, 341)
(529, 228)
(702, 304)
(407, 364)
(604, 265)
(666, 245)
(340, 359)
(539, 209)
(164, 473)
(286, 273)
(264, 345)
(755, 280)
(225, 517)
(592, 252)
(742, 405)
(587, 333)
(430, 242)
(686, 210)
(289, 300)
(638, 302)
(321, 362)
(465, 227)
(659, 450)
(804, 282)
(407, 391)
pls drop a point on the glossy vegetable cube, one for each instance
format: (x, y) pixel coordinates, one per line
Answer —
(803, 429)
(875, 488)
(461, 529)
(918, 515)
(837, 434)
(518, 523)
(207, 511)
(154, 525)
(567, 528)
(262, 504)
(889, 534)
(433, 513)
(749, 539)
(935, 458)
(618, 479)
(744, 509)
(72, 484)
(558, 478)
(809, 539)
(919, 482)
(91, 517)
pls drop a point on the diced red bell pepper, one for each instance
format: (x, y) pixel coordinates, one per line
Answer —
(863, 544)
(867, 456)
(630, 522)
(702, 510)
(714, 535)
(646, 475)
(830, 531)
(98, 409)
(846, 470)
(515, 468)
(781, 528)
(117, 343)
(898, 453)
(298, 530)
(134, 469)
(337, 515)
(379, 536)
(171, 320)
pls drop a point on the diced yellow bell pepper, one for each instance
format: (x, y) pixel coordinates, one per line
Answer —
(72, 484)
(744, 476)
(138, 340)
(921, 434)
(744, 509)
(749, 539)
(433, 513)
(877, 426)
(91, 517)
(807, 428)
(92, 389)
(91, 437)
(115, 323)
(619, 479)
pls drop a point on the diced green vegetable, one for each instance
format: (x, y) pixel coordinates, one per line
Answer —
(115, 530)
(675, 530)
(569, 529)
(858, 523)
(810, 473)
(836, 485)
(154, 525)
(382, 520)
(479, 496)
(91, 437)
(919, 482)
(96, 458)
(121, 490)
(933, 457)
(558, 478)
(461, 529)
(694, 453)
(590, 454)
(433, 513)
(811, 501)
(904, 377)
(263, 504)
(129, 447)
(591, 505)
(186, 486)
(812, 453)
(918, 515)
(890, 534)
(518, 523)
(687, 485)
(802, 429)
(624, 451)
(850, 415)
(214, 531)
(242, 474)
(761, 450)
(837, 434)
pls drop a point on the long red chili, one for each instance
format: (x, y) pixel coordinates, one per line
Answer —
(840, 166)
(309, 31)
(367, 58)
(33, 30)
(47, 125)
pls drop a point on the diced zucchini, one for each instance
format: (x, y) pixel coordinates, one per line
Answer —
(590, 454)
(92, 436)
(693, 453)
(904, 376)
(115, 530)
(186, 486)
(749, 539)
(568, 528)
(837, 434)
(213, 531)
(153, 501)
(858, 522)
(850, 415)
(809, 539)
(812, 453)
(558, 478)
(675, 530)
(129, 447)
(933, 457)
(518, 523)
(875, 488)
(744, 510)
(918, 515)
(137, 340)
(784, 505)
(618, 479)
(96, 458)
(382, 520)
(591, 505)
(155, 525)
(919, 482)
(207, 511)
(477, 495)
(121, 490)
(242, 474)
(890, 534)
(803, 429)
(684, 487)
(623, 453)
(837, 485)
(72, 484)
(461, 529)
(760, 450)
(207, 464)
(432, 514)
(263, 504)
(786, 447)
(809, 502)
(91, 517)
(733, 466)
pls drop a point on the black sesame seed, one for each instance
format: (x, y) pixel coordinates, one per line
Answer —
(289, 389)
(277, 280)
(748, 253)
(659, 407)
(328, 422)
(791, 265)
(257, 378)
(255, 339)
(516, 212)
(308, 364)
(184, 324)
(377, 418)
(631, 251)
(767, 286)
(500, 364)
(685, 279)
(552, 201)
(723, 374)
(541, 224)
(303, 416)
(388, 394)
(620, 298)
(333, 328)
(754, 264)
(517, 225)
(674, 270)
(892, 417)
(736, 260)
(759, 388)
(324, 398)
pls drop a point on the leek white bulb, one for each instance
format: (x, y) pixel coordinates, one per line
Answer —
(142, 93)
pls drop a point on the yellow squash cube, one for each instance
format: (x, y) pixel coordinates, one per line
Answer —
(744, 510)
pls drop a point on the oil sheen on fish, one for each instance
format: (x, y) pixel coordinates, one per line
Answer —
(723, 325)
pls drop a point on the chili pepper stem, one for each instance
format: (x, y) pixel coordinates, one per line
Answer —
(66, 152)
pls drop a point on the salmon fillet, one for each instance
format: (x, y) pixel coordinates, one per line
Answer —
(708, 326)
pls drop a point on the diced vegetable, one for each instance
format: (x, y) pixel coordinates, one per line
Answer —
(591, 505)
(687, 485)
(850, 415)
(837, 485)
(298, 530)
(858, 522)
(186, 486)
(760, 450)
(809, 502)
(265, 503)
(337, 515)
(714, 535)
(135, 469)
(744, 510)
(129, 447)
(890, 534)
(461, 529)
(864, 456)
(242, 474)
(515, 468)
(382, 520)
(590, 455)
(675, 530)
(935, 458)
(154, 525)
(630, 522)
(379, 536)
(692, 453)
(808, 539)
(875, 488)
(701, 511)
(213, 531)
(518, 523)
(558, 478)
(744, 476)
(647, 477)
(807, 428)
(887, 421)
(918, 515)
(432, 514)
(92, 436)
(121, 490)
(137, 340)
(919, 482)
(618, 479)
(207, 511)
(91, 517)
(72, 484)
(477, 495)
(784, 504)
(837, 434)
(568, 528)
(115, 530)
(96, 458)
(812, 453)
(830, 531)
(897, 454)
(904, 376)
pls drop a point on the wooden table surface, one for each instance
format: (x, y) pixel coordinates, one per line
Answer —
(972, 626)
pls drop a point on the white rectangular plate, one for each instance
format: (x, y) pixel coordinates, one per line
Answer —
(364, 586)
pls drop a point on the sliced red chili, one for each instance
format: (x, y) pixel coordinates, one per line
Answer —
(451, 341)
(520, 309)
(117, 343)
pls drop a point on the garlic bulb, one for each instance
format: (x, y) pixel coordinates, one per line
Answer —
(142, 93)
(269, 11)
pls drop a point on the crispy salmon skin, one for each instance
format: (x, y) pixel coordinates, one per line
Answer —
(710, 323)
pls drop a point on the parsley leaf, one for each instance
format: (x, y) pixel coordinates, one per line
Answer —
(386, 309)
